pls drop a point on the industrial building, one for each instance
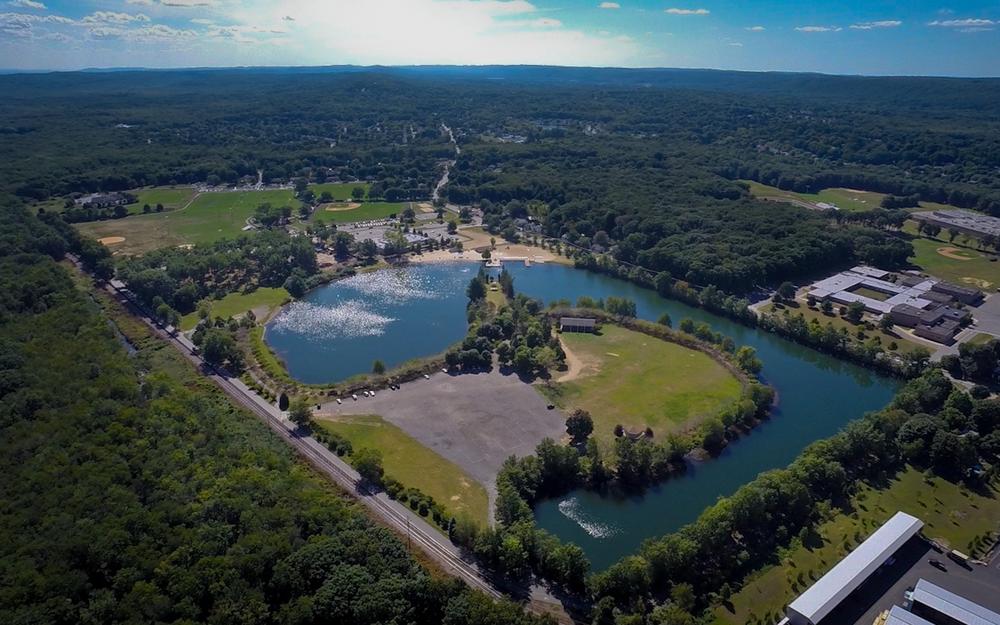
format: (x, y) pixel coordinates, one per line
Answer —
(928, 306)
(966, 222)
(899, 616)
(830, 590)
(943, 607)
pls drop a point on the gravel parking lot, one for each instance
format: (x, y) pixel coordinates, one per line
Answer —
(474, 420)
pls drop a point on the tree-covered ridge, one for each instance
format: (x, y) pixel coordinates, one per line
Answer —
(135, 493)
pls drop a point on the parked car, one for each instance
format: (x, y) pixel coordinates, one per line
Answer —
(937, 564)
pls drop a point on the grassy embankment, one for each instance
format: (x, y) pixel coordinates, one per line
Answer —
(640, 381)
(903, 344)
(238, 303)
(414, 465)
(952, 513)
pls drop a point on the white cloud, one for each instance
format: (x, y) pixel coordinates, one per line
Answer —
(736, 44)
(112, 17)
(145, 3)
(966, 25)
(818, 29)
(27, 4)
(451, 32)
(675, 11)
(875, 25)
(609, 5)
(188, 3)
(541, 22)
(202, 21)
(755, 29)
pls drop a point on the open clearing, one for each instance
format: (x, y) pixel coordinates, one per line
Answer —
(210, 217)
(845, 199)
(959, 265)
(952, 513)
(414, 465)
(474, 420)
(262, 301)
(636, 380)
(341, 191)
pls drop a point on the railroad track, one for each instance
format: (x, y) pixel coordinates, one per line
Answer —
(392, 513)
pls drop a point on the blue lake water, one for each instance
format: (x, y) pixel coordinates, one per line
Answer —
(393, 315)
(399, 314)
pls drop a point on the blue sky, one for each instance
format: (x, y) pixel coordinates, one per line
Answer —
(847, 37)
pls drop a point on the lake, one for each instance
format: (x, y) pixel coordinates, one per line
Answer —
(399, 314)
(393, 315)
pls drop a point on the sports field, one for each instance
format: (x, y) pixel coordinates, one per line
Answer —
(636, 380)
(341, 191)
(347, 212)
(951, 513)
(238, 303)
(210, 217)
(960, 265)
(414, 465)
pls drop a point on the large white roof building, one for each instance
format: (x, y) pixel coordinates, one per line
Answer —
(830, 590)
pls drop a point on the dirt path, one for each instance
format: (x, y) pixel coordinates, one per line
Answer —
(573, 363)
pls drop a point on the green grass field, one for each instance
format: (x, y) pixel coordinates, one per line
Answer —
(172, 198)
(364, 212)
(238, 303)
(972, 268)
(210, 217)
(951, 513)
(845, 199)
(414, 465)
(638, 381)
(341, 191)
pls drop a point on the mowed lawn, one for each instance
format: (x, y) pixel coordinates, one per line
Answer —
(845, 199)
(341, 191)
(960, 265)
(339, 213)
(172, 198)
(414, 465)
(952, 513)
(235, 304)
(210, 217)
(638, 381)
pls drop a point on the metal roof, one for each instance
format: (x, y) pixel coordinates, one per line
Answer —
(823, 596)
(899, 616)
(577, 321)
(952, 605)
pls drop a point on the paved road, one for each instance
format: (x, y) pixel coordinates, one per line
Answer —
(392, 513)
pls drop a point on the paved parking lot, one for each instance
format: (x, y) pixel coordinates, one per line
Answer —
(887, 586)
(474, 420)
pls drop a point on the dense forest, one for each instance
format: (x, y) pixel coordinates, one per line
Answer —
(643, 164)
(135, 493)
